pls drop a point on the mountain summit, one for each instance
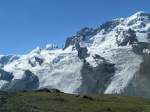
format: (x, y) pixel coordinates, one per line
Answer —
(113, 59)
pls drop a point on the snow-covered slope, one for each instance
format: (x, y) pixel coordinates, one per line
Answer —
(54, 68)
(106, 59)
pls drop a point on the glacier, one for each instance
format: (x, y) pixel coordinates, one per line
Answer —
(107, 59)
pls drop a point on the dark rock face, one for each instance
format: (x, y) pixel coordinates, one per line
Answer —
(108, 26)
(5, 75)
(49, 90)
(144, 69)
(82, 35)
(36, 61)
(98, 57)
(96, 79)
(82, 52)
(39, 60)
(140, 46)
(85, 32)
(126, 37)
(148, 35)
(139, 86)
(69, 41)
(28, 82)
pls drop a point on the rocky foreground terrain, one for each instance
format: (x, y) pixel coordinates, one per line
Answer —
(55, 101)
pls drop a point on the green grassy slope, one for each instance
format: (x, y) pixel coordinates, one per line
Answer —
(60, 102)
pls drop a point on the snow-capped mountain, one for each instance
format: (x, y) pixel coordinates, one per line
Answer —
(113, 58)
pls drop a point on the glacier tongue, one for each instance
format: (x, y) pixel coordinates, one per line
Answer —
(127, 64)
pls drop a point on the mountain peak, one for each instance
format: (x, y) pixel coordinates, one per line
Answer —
(47, 47)
(36, 50)
(139, 13)
(51, 46)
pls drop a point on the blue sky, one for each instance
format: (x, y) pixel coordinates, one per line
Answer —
(25, 24)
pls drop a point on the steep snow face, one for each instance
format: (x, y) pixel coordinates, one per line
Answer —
(114, 43)
(138, 20)
(127, 64)
(126, 61)
(94, 50)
